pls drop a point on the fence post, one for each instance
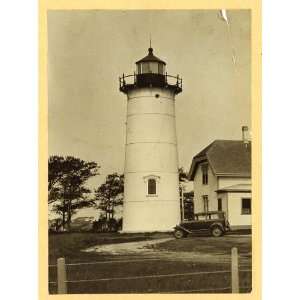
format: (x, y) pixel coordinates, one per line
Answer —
(234, 271)
(61, 276)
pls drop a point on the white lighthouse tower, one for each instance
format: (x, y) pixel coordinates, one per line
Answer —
(151, 191)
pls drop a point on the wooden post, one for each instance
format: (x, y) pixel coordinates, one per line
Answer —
(234, 271)
(181, 200)
(61, 276)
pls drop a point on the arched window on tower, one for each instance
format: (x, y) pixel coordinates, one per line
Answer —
(151, 186)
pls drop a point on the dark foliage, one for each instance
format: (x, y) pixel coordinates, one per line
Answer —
(67, 177)
(110, 194)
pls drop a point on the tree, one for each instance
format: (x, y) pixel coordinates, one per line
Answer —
(67, 177)
(110, 194)
(55, 174)
(188, 202)
(183, 177)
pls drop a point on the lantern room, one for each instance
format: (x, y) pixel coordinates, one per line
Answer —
(150, 64)
(150, 72)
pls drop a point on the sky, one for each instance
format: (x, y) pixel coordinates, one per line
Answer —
(89, 49)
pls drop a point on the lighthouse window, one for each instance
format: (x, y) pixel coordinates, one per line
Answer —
(151, 186)
(145, 68)
(160, 69)
(153, 67)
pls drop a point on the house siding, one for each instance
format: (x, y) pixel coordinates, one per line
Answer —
(235, 216)
(205, 189)
(224, 198)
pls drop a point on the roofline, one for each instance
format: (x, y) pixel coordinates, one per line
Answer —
(203, 159)
(194, 165)
(154, 60)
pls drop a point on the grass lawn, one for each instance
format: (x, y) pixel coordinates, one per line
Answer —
(69, 246)
(212, 246)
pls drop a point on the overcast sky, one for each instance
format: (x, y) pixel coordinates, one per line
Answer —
(88, 50)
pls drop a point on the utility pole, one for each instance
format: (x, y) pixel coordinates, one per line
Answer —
(181, 200)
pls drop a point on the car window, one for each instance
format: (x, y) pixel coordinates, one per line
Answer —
(214, 216)
(201, 218)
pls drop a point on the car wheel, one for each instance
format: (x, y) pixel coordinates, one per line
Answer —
(179, 234)
(216, 231)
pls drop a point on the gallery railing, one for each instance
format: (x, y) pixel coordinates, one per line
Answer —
(127, 82)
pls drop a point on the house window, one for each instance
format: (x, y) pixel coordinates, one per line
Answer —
(205, 203)
(246, 206)
(151, 186)
(219, 204)
(204, 174)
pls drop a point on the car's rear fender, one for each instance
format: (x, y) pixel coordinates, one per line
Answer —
(182, 228)
(216, 224)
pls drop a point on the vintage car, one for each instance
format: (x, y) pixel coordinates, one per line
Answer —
(213, 222)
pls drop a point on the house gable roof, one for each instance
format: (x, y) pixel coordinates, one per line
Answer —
(226, 158)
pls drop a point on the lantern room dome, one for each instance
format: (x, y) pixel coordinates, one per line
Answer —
(150, 58)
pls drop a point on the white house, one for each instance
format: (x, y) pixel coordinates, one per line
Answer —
(222, 180)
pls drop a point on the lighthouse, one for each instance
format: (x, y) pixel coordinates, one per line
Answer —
(151, 184)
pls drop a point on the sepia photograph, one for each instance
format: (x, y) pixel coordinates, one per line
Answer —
(150, 161)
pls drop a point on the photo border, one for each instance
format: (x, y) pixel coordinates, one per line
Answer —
(255, 7)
